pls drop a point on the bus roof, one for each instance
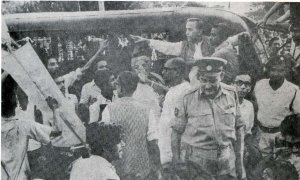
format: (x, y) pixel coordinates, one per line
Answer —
(142, 20)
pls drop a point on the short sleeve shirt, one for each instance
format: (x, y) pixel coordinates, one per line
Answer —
(208, 123)
(93, 168)
(274, 105)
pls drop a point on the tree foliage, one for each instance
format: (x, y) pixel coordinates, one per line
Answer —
(259, 9)
(9, 7)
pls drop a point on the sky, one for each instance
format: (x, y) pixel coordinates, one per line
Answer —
(238, 7)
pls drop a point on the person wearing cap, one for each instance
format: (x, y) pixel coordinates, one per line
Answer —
(173, 74)
(276, 98)
(208, 134)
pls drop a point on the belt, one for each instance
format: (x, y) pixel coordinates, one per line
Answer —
(211, 153)
(269, 130)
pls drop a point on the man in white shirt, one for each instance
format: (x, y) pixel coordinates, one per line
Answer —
(15, 134)
(243, 84)
(276, 99)
(67, 139)
(69, 78)
(173, 74)
(195, 47)
(92, 93)
(106, 146)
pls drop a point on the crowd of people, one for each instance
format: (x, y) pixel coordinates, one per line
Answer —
(216, 113)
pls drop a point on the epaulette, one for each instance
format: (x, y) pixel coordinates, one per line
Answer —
(190, 91)
(228, 87)
(156, 78)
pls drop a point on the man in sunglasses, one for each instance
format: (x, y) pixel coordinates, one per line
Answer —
(243, 85)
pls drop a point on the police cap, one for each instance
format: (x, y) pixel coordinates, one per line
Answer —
(210, 64)
(283, 61)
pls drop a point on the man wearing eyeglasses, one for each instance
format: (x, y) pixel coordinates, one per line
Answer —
(173, 74)
(243, 84)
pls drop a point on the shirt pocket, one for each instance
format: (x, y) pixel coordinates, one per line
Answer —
(201, 119)
(228, 117)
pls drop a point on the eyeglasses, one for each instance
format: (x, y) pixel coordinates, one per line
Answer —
(168, 69)
(245, 83)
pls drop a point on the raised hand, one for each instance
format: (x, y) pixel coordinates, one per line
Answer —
(52, 102)
(138, 39)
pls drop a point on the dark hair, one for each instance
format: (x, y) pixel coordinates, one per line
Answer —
(179, 64)
(290, 126)
(8, 95)
(102, 136)
(272, 40)
(128, 82)
(224, 31)
(46, 60)
(102, 78)
(199, 23)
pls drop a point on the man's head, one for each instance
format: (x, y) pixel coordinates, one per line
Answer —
(210, 74)
(126, 83)
(52, 66)
(102, 65)
(105, 140)
(194, 29)
(104, 80)
(141, 64)
(174, 71)
(8, 97)
(288, 46)
(60, 82)
(277, 67)
(242, 83)
(274, 44)
(295, 30)
(218, 34)
(290, 128)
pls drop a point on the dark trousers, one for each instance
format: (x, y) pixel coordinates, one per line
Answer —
(195, 172)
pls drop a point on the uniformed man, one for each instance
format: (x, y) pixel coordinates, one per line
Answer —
(207, 136)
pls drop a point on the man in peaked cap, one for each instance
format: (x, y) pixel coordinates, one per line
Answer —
(276, 98)
(207, 132)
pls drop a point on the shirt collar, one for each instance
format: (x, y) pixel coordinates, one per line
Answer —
(220, 92)
(8, 123)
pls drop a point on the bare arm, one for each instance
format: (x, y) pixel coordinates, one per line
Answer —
(4, 76)
(283, 17)
(276, 6)
(168, 48)
(239, 151)
(103, 45)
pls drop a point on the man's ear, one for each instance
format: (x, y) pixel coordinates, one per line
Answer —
(222, 75)
(200, 32)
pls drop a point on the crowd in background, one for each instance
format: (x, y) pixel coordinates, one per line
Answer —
(215, 110)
